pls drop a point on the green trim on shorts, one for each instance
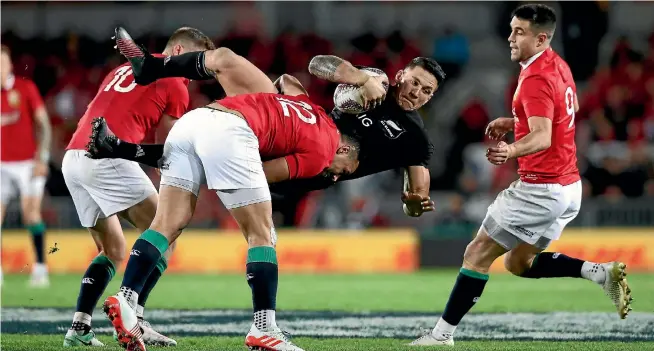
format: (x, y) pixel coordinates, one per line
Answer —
(262, 254)
(473, 274)
(156, 239)
(107, 262)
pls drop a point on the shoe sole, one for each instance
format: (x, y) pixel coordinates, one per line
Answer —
(129, 339)
(620, 274)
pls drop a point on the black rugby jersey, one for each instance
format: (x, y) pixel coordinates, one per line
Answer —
(389, 136)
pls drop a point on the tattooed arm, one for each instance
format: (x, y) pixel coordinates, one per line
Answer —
(336, 70)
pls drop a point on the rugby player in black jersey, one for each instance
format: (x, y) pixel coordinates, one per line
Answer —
(391, 133)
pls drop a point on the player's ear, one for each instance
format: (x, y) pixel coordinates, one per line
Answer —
(178, 49)
(343, 150)
(398, 77)
(542, 38)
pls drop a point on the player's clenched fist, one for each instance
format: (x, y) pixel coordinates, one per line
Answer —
(498, 128)
(373, 92)
(415, 204)
(499, 154)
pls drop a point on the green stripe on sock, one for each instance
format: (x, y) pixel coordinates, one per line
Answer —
(36, 229)
(105, 261)
(162, 264)
(262, 254)
(156, 239)
(473, 274)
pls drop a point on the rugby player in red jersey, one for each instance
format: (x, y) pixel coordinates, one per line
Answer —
(24, 156)
(104, 190)
(525, 218)
(224, 145)
(391, 132)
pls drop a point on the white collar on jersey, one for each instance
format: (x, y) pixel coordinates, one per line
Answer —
(10, 82)
(531, 60)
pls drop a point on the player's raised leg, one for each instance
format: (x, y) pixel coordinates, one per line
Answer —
(235, 73)
(526, 262)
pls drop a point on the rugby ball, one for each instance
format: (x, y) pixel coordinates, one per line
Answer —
(348, 98)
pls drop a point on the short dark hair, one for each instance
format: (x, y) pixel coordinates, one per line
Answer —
(193, 36)
(539, 16)
(352, 141)
(430, 65)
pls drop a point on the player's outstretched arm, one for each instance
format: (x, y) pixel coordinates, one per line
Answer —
(415, 195)
(103, 144)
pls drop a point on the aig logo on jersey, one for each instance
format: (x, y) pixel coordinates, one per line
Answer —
(392, 129)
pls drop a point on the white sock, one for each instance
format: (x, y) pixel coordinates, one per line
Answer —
(130, 295)
(264, 320)
(82, 318)
(594, 272)
(139, 311)
(443, 329)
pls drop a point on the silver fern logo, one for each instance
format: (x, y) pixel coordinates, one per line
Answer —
(392, 129)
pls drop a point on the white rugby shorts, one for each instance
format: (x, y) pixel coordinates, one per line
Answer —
(101, 188)
(532, 213)
(208, 146)
(18, 180)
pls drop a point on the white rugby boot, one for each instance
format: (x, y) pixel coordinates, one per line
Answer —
(75, 338)
(150, 336)
(616, 288)
(434, 339)
(125, 322)
(272, 340)
(39, 277)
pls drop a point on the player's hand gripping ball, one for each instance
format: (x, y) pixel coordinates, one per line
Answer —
(350, 98)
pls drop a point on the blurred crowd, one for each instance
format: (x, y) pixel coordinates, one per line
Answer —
(615, 127)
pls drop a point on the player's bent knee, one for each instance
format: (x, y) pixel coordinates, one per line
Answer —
(518, 262)
(513, 265)
(481, 252)
(116, 253)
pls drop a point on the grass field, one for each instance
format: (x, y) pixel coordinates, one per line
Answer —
(350, 312)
